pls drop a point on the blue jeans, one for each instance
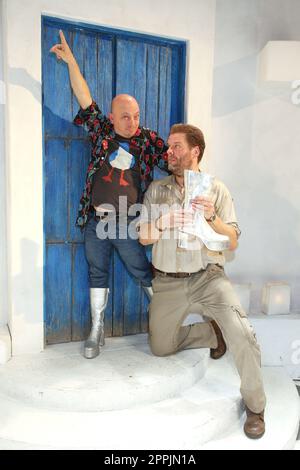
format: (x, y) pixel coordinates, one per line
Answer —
(98, 253)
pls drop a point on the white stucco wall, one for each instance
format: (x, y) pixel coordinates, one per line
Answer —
(256, 142)
(3, 259)
(192, 20)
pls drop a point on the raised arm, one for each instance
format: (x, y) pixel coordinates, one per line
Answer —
(78, 83)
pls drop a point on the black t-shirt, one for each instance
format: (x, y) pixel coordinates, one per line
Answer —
(118, 176)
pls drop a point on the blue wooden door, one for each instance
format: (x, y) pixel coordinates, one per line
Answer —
(112, 62)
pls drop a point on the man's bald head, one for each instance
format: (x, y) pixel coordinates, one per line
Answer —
(125, 115)
(123, 100)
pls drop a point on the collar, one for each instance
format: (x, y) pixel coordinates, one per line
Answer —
(169, 181)
(171, 184)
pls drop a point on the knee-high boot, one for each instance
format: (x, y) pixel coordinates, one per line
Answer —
(98, 302)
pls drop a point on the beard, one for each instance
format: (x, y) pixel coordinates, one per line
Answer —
(177, 170)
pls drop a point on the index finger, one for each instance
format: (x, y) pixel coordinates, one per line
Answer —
(62, 37)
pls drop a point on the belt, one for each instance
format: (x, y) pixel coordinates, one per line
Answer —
(109, 216)
(177, 275)
(106, 216)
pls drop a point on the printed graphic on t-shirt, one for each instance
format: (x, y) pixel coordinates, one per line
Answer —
(121, 158)
(118, 176)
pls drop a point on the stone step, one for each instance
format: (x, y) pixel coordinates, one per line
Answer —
(125, 374)
(282, 417)
(205, 413)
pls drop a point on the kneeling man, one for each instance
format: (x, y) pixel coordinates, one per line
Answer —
(193, 280)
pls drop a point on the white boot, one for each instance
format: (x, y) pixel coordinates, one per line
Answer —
(98, 302)
(211, 239)
(149, 292)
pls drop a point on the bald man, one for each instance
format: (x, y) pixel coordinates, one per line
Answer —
(121, 168)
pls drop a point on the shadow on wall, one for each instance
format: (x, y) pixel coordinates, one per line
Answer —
(20, 77)
(236, 87)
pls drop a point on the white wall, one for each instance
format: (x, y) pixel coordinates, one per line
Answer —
(192, 21)
(3, 259)
(256, 142)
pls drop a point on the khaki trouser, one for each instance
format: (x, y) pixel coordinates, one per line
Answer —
(210, 293)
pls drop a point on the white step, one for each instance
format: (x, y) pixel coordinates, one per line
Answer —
(54, 400)
(123, 375)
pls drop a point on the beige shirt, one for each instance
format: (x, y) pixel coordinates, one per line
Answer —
(166, 254)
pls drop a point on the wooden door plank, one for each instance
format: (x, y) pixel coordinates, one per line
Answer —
(132, 305)
(56, 190)
(118, 297)
(105, 75)
(85, 52)
(57, 110)
(108, 316)
(131, 71)
(164, 113)
(144, 316)
(80, 151)
(58, 293)
(152, 88)
(80, 294)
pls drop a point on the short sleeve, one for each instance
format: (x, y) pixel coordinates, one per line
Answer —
(150, 210)
(159, 156)
(93, 121)
(225, 208)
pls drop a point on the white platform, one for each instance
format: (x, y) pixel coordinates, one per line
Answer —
(279, 340)
(128, 399)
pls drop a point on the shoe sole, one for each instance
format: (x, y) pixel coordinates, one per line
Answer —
(251, 436)
(91, 354)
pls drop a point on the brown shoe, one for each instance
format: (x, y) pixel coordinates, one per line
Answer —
(254, 426)
(221, 349)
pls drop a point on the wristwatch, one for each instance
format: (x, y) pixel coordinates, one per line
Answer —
(212, 218)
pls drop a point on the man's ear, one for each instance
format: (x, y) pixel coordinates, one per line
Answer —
(196, 152)
(111, 117)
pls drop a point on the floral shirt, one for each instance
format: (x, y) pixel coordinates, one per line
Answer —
(152, 151)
